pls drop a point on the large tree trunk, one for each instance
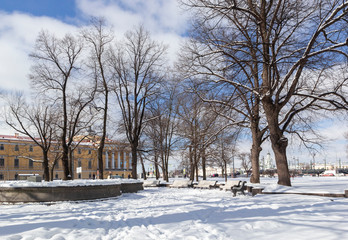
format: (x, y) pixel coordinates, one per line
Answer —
(279, 146)
(279, 143)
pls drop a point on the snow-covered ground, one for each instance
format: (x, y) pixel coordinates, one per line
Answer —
(165, 213)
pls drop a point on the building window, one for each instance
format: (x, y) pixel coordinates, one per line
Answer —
(2, 162)
(1, 176)
(31, 148)
(56, 175)
(2, 147)
(16, 163)
(16, 148)
(89, 164)
(89, 151)
(79, 164)
(79, 151)
(31, 163)
(90, 175)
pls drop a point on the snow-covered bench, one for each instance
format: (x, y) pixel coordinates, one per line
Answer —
(181, 183)
(205, 184)
(151, 183)
(229, 184)
(241, 188)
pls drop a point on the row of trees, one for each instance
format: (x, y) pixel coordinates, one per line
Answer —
(277, 63)
(79, 78)
(264, 68)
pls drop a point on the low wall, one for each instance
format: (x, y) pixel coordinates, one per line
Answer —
(65, 193)
(131, 187)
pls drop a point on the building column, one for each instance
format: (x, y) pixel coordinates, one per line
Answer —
(113, 160)
(130, 160)
(118, 160)
(106, 160)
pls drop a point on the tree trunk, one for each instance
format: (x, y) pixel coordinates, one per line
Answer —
(71, 163)
(100, 160)
(279, 143)
(192, 165)
(195, 162)
(225, 163)
(45, 166)
(143, 167)
(134, 161)
(279, 146)
(157, 169)
(203, 164)
(51, 173)
(65, 162)
(255, 153)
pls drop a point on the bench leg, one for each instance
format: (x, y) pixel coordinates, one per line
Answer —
(234, 192)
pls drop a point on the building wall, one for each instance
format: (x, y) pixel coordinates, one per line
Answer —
(84, 159)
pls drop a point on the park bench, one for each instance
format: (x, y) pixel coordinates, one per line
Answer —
(229, 184)
(181, 183)
(240, 188)
(205, 184)
(151, 183)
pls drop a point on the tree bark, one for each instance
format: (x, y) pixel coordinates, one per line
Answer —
(278, 141)
(255, 152)
(45, 166)
(134, 160)
(65, 161)
(204, 164)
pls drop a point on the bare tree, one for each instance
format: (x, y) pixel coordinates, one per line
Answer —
(56, 66)
(162, 126)
(275, 43)
(245, 162)
(99, 39)
(137, 66)
(37, 121)
(211, 55)
(224, 149)
(199, 125)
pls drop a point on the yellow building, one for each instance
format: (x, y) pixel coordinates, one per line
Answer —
(20, 155)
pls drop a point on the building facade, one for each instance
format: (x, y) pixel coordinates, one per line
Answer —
(19, 155)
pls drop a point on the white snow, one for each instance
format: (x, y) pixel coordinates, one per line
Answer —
(167, 213)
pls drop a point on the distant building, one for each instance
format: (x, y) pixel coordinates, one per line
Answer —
(267, 162)
(20, 155)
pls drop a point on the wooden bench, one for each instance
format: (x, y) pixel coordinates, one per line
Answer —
(229, 184)
(181, 183)
(151, 183)
(205, 184)
(241, 188)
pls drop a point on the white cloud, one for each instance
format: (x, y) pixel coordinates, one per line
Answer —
(162, 18)
(18, 32)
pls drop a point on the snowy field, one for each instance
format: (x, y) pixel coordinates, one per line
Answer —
(164, 213)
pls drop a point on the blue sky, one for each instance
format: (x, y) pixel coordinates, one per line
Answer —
(60, 9)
